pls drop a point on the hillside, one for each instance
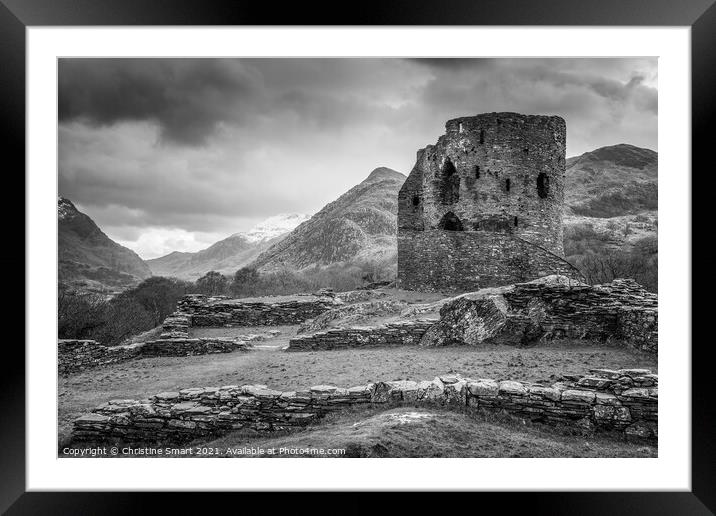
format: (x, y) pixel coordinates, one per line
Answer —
(610, 198)
(229, 254)
(359, 226)
(88, 259)
(611, 182)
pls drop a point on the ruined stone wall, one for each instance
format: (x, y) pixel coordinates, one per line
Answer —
(496, 175)
(204, 311)
(74, 356)
(191, 347)
(639, 328)
(619, 310)
(77, 355)
(404, 333)
(605, 400)
(550, 308)
(457, 261)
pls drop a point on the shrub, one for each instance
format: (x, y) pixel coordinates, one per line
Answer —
(159, 295)
(112, 320)
(212, 283)
(79, 314)
(640, 264)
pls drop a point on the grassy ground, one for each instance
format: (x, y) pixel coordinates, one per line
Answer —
(81, 392)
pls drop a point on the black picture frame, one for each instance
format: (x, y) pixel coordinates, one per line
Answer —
(17, 15)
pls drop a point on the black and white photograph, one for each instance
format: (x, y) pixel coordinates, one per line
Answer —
(357, 257)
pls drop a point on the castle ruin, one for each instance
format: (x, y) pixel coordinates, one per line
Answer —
(483, 206)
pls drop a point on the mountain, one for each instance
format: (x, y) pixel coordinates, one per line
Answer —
(611, 196)
(359, 226)
(612, 181)
(227, 255)
(88, 259)
(274, 226)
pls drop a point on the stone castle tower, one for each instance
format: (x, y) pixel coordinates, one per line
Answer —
(483, 206)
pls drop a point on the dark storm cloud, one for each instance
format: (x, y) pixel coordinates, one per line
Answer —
(207, 146)
(454, 63)
(561, 76)
(190, 99)
(186, 97)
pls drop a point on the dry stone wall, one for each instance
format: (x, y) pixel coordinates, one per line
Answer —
(180, 347)
(624, 401)
(206, 311)
(79, 355)
(402, 333)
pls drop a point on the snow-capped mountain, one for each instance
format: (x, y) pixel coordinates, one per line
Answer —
(274, 226)
(230, 254)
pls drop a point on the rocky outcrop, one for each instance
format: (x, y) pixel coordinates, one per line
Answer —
(403, 333)
(550, 308)
(624, 401)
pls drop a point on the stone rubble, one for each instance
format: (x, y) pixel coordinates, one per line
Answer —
(624, 401)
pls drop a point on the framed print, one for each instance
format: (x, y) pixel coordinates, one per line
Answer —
(444, 247)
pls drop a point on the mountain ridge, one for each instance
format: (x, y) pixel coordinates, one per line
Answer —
(88, 259)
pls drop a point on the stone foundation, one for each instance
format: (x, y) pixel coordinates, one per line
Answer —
(624, 401)
(402, 333)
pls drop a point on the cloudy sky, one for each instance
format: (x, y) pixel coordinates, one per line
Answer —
(175, 154)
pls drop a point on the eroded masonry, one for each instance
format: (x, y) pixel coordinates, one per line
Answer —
(483, 206)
